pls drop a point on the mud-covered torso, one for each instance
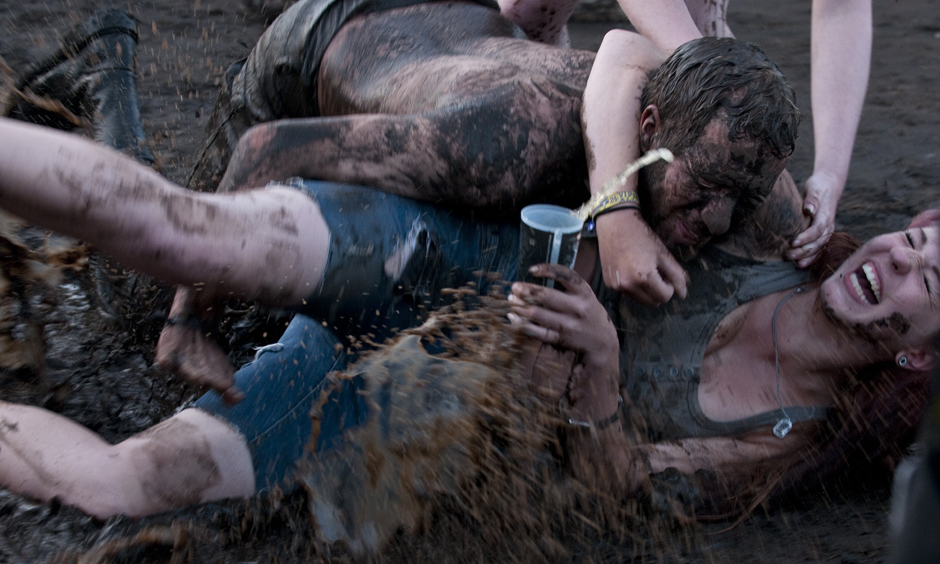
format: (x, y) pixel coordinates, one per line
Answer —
(662, 348)
(506, 107)
(437, 54)
(455, 104)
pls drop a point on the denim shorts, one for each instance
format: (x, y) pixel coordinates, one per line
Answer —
(280, 386)
(366, 290)
(391, 256)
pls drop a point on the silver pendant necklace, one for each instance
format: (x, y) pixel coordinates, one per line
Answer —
(785, 424)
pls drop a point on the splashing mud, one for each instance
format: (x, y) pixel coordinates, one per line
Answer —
(98, 367)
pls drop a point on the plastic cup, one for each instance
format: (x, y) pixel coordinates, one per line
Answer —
(548, 234)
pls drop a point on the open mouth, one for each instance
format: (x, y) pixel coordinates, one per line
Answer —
(864, 281)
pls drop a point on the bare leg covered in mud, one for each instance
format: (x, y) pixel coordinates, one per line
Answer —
(243, 245)
(190, 458)
(267, 244)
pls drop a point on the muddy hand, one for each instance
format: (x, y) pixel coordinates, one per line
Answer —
(187, 352)
(820, 202)
(572, 319)
(635, 261)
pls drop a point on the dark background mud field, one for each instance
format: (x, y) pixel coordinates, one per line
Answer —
(98, 325)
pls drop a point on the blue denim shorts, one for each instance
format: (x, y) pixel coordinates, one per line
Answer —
(360, 295)
(280, 386)
(391, 256)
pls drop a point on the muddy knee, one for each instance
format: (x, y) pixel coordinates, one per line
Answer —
(174, 464)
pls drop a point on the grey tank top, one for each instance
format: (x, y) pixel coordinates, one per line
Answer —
(662, 348)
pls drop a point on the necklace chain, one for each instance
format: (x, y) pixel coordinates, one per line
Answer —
(785, 424)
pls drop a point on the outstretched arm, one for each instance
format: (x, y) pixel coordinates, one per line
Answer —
(435, 155)
(841, 57)
(612, 460)
(634, 260)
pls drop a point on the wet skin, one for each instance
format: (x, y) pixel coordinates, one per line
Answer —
(447, 102)
(889, 290)
(435, 102)
(707, 189)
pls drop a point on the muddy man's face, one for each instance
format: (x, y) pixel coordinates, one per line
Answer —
(707, 188)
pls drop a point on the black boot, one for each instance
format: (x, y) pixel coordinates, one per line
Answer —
(93, 75)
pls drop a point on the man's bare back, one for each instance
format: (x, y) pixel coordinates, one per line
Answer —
(462, 95)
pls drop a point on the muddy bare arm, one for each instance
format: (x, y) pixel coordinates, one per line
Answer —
(576, 321)
(341, 149)
(634, 259)
(841, 57)
(500, 147)
(573, 320)
(610, 459)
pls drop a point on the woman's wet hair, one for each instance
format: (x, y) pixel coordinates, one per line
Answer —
(837, 249)
(875, 415)
(710, 74)
(874, 418)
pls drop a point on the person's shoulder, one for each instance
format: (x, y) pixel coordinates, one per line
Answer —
(766, 234)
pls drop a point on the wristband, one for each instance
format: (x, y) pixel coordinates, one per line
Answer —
(189, 321)
(592, 206)
(616, 207)
(603, 423)
(617, 199)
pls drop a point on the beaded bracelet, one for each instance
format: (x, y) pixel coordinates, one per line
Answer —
(608, 202)
(603, 423)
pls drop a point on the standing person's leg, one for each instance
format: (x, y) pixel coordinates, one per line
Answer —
(542, 21)
(191, 457)
(710, 16)
(546, 21)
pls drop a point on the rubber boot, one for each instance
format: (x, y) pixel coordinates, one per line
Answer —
(93, 76)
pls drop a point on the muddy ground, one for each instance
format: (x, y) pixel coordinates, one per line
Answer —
(98, 324)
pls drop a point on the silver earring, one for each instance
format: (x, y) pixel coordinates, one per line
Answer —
(902, 362)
